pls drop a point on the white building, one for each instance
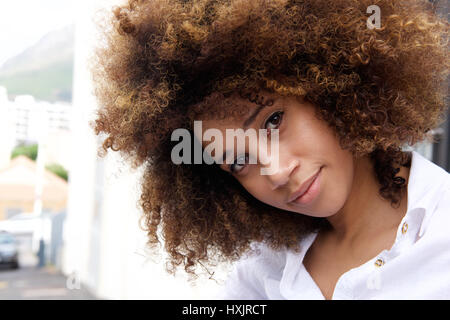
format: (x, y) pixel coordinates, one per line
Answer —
(24, 120)
(26, 115)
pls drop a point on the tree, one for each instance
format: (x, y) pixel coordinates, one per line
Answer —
(30, 151)
(58, 170)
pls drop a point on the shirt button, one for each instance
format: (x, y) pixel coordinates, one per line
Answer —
(404, 228)
(379, 262)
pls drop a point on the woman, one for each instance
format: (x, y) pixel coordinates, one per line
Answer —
(346, 213)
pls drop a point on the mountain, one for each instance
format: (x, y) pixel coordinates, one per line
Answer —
(44, 70)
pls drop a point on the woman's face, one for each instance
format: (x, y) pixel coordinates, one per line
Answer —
(307, 147)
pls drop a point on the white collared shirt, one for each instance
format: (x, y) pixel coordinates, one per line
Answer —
(416, 267)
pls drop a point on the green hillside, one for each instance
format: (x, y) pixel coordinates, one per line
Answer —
(51, 83)
(44, 70)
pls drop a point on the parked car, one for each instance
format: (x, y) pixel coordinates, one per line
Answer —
(8, 250)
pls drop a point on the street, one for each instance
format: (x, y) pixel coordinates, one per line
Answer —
(39, 284)
(31, 282)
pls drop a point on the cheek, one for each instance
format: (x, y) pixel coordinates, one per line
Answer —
(338, 175)
(337, 184)
(258, 187)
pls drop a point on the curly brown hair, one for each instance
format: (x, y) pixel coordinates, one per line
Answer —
(164, 62)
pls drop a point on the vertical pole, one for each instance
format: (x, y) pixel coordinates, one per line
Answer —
(39, 186)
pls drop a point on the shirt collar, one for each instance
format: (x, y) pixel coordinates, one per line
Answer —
(424, 188)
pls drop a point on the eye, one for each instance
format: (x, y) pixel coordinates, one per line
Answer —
(274, 121)
(239, 163)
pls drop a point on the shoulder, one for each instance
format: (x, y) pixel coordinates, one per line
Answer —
(429, 190)
(443, 193)
(443, 198)
(438, 206)
(248, 276)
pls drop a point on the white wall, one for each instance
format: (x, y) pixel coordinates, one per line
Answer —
(7, 133)
(103, 244)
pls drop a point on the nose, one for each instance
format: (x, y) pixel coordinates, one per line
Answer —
(281, 174)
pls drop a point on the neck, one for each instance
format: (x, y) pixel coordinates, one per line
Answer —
(366, 213)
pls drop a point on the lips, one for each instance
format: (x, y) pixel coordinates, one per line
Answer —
(304, 187)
